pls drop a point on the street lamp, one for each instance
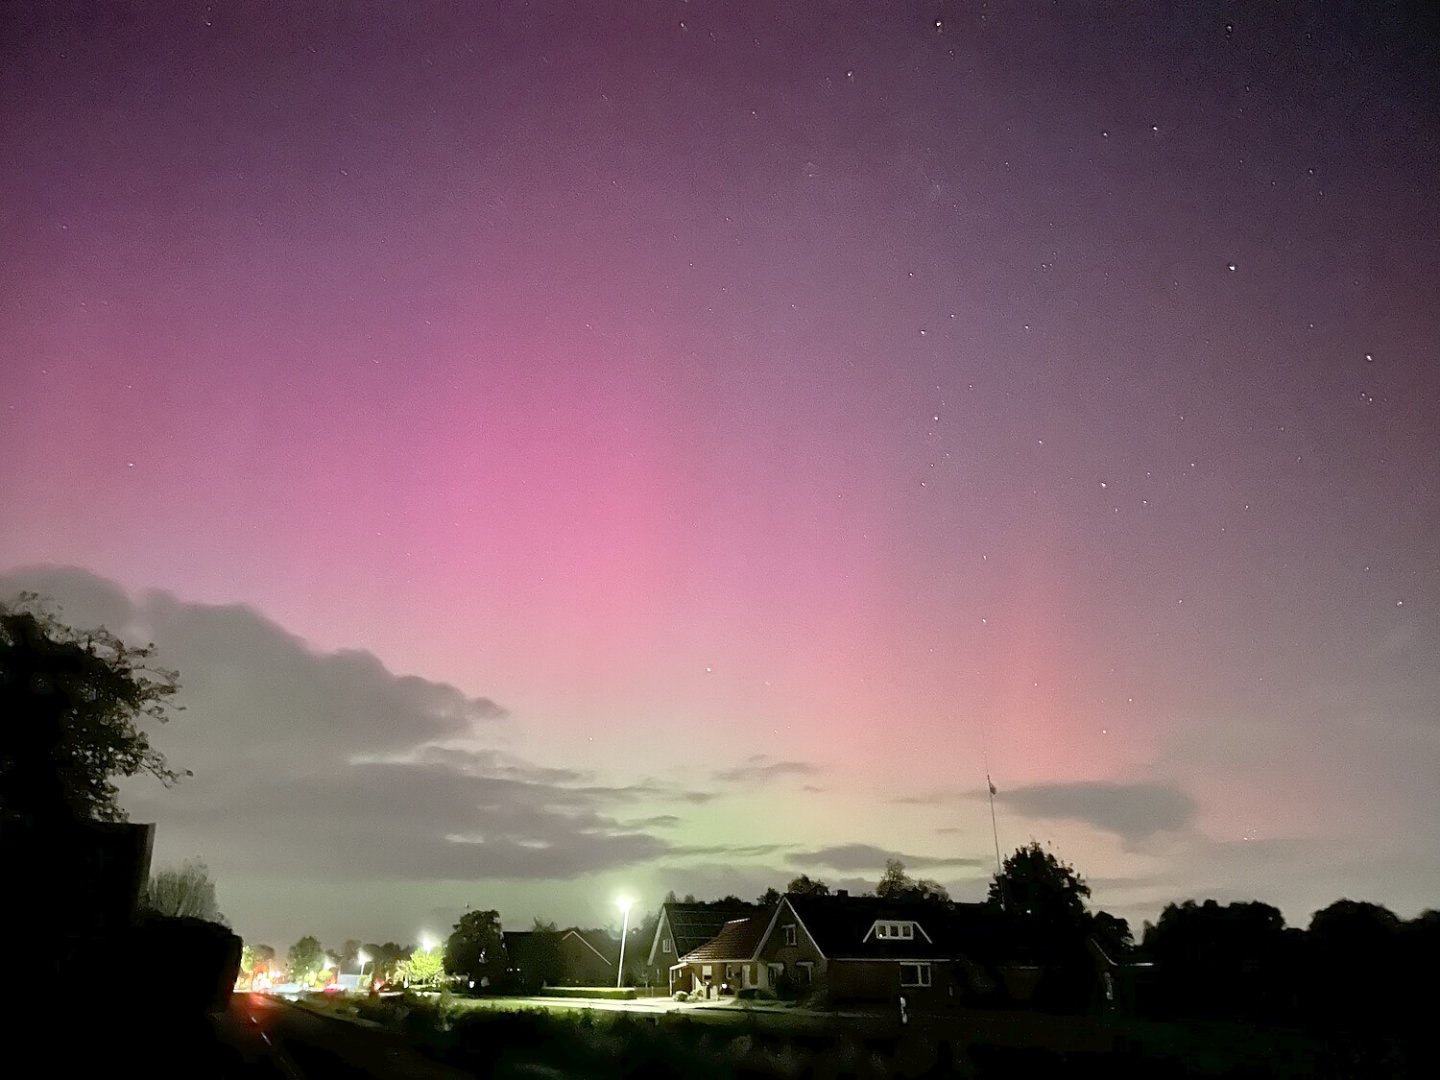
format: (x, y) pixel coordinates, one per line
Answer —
(364, 959)
(624, 902)
(427, 942)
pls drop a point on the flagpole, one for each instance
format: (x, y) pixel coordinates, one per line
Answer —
(990, 786)
(994, 829)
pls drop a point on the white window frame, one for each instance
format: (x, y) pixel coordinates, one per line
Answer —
(807, 970)
(775, 971)
(895, 930)
(792, 936)
(665, 946)
(922, 975)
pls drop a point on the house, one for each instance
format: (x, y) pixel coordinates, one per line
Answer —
(571, 957)
(683, 928)
(867, 948)
(727, 962)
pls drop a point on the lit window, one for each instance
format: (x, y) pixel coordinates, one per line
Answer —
(882, 930)
(914, 974)
(790, 936)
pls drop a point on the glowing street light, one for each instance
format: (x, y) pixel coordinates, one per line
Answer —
(364, 959)
(428, 943)
(624, 903)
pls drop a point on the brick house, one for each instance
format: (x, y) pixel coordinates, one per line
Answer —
(684, 928)
(726, 963)
(866, 948)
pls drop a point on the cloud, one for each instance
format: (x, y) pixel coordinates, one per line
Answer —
(736, 851)
(759, 768)
(1134, 812)
(310, 763)
(869, 857)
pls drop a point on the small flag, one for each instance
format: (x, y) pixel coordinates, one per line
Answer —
(992, 786)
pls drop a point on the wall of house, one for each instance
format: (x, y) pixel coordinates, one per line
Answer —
(582, 967)
(774, 951)
(662, 949)
(879, 980)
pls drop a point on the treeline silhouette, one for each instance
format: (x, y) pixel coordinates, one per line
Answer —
(1358, 966)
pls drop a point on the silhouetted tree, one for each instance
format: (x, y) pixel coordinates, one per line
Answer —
(1036, 885)
(1112, 934)
(769, 898)
(476, 948)
(1234, 961)
(1355, 962)
(386, 959)
(348, 955)
(896, 884)
(805, 886)
(69, 705)
(184, 891)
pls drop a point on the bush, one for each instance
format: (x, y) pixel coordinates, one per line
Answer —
(681, 995)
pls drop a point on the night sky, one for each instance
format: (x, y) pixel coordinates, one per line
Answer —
(573, 449)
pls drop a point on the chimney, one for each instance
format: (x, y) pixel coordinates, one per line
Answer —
(842, 893)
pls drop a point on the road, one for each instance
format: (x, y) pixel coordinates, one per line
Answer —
(285, 1040)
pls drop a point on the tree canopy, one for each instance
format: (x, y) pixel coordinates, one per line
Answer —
(425, 966)
(476, 947)
(306, 959)
(896, 884)
(1036, 884)
(184, 891)
(71, 702)
(805, 886)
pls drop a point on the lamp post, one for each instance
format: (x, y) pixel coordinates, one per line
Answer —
(624, 903)
(364, 959)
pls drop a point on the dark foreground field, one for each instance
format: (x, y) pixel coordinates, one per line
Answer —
(532, 1043)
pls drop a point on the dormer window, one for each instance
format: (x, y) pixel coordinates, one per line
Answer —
(894, 930)
(790, 938)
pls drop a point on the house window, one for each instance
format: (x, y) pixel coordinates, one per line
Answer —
(807, 972)
(776, 972)
(665, 946)
(914, 974)
(790, 938)
(895, 931)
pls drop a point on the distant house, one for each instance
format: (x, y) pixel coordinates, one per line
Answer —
(572, 957)
(863, 949)
(683, 928)
(866, 948)
(727, 962)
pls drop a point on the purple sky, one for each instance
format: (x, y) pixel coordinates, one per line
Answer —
(668, 445)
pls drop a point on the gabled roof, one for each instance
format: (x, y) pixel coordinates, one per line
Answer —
(693, 925)
(840, 927)
(737, 941)
(597, 941)
(601, 943)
